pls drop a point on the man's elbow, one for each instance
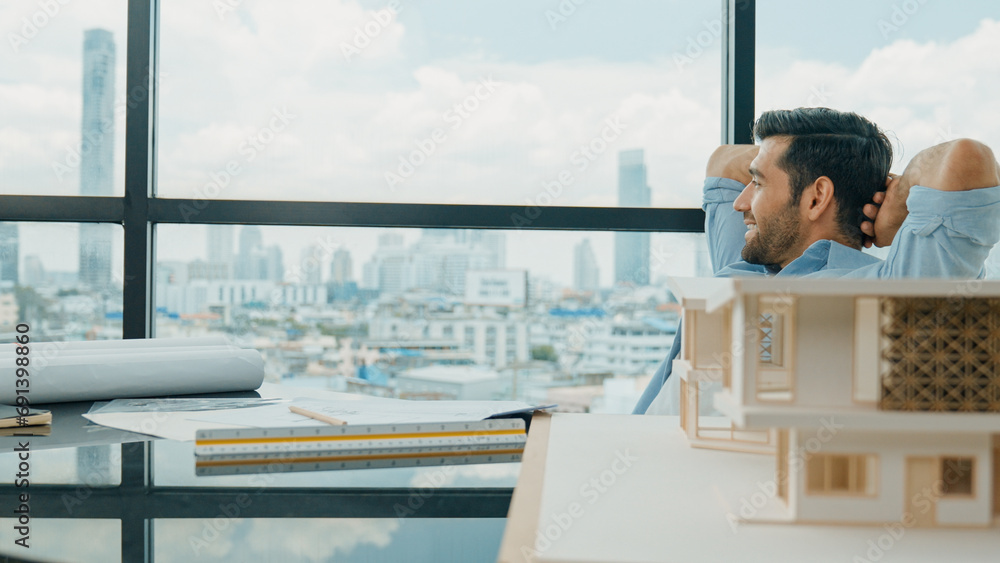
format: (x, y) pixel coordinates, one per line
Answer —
(718, 161)
(967, 165)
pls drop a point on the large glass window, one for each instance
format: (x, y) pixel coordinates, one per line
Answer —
(62, 97)
(389, 311)
(418, 540)
(921, 70)
(448, 102)
(63, 280)
(68, 539)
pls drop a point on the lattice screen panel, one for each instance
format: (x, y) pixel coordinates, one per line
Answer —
(941, 354)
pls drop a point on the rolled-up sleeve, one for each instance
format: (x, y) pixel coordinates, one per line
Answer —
(945, 234)
(724, 226)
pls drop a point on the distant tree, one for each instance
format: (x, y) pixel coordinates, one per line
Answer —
(30, 305)
(544, 353)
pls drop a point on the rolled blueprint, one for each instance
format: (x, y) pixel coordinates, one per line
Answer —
(131, 370)
(49, 349)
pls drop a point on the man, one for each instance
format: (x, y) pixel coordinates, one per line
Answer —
(801, 198)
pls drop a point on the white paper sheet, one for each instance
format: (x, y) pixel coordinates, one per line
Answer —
(149, 416)
(134, 371)
(169, 425)
(168, 418)
(362, 412)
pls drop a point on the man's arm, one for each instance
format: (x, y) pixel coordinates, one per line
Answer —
(728, 172)
(942, 216)
(959, 165)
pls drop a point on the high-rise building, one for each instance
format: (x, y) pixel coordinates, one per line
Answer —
(220, 249)
(34, 270)
(585, 271)
(393, 240)
(251, 246)
(311, 265)
(438, 261)
(341, 266)
(9, 252)
(632, 249)
(272, 264)
(97, 146)
(254, 261)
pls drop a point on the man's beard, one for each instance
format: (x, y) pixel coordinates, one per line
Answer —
(774, 239)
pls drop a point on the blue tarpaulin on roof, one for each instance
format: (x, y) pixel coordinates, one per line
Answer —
(403, 352)
(373, 375)
(588, 312)
(660, 324)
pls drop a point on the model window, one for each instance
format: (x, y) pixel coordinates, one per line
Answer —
(956, 476)
(774, 378)
(769, 350)
(840, 474)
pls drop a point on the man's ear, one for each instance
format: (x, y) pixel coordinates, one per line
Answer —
(817, 198)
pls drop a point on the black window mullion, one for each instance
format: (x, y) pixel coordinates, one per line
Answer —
(738, 59)
(140, 167)
(423, 215)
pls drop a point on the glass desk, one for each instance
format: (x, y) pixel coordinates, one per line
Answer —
(100, 494)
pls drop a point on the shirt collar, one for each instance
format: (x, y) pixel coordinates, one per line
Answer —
(827, 255)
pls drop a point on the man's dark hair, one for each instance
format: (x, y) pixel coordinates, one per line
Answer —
(843, 146)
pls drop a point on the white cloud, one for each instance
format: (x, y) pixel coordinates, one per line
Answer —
(318, 539)
(922, 92)
(356, 119)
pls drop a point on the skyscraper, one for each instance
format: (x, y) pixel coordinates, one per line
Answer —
(97, 146)
(341, 266)
(220, 248)
(586, 275)
(34, 270)
(632, 249)
(8, 252)
(272, 264)
(251, 247)
(311, 265)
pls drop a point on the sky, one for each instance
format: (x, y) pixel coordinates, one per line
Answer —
(347, 100)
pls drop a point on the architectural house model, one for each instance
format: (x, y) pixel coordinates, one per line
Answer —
(879, 400)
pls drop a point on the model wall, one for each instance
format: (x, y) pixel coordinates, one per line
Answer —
(823, 351)
(889, 503)
(822, 341)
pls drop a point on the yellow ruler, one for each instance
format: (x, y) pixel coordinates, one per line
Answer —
(316, 448)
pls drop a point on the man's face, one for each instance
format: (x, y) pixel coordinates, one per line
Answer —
(773, 224)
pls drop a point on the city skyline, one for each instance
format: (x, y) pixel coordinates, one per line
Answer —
(670, 111)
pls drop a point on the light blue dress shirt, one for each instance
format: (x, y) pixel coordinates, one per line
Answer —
(945, 234)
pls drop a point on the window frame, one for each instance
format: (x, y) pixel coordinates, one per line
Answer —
(866, 463)
(949, 462)
(139, 211)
